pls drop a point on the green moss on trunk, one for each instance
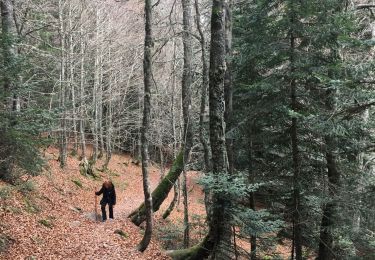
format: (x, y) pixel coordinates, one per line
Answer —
(197, 252)
(161, 192)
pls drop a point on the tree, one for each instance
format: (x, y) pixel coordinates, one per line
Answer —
(297, 232)
(187, 79)
(218, 228)
(21, 120)
(217, 225)
(205, 81)
(228, 88)
(317, 62)
(147, 67)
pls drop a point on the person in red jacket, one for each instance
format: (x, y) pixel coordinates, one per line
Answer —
(109, 197)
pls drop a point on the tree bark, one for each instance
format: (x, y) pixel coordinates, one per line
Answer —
(217, 226)
(8, 102)
(330, 214)
(173, 202)
(108, 120)
(71, 77)
(187, 79)
(161, 191)
(253, 238)
(82, 95)
(297, 232)
(205, 82)
(9, 34)
(63, 138)
(228, 89)
(147, 70)
(95, 94)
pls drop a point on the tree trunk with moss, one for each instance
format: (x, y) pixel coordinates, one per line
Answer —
(217, 225)
(173, 202)
(205, 82)
(210, 246)
(161, 192)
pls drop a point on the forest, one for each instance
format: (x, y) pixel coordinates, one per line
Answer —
(230, 129)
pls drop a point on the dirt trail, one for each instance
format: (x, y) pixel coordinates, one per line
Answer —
(45, 223)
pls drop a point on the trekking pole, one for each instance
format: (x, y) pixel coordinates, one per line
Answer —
(96, 208)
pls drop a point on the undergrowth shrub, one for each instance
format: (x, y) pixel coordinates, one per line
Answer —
(26, 187)
(5, 192)
(5, 242)
(30, 205)
(170, 235)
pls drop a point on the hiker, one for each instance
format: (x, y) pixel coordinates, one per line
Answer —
(109, 197)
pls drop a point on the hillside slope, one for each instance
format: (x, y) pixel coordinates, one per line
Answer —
(50, 217)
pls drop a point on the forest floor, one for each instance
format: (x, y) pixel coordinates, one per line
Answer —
(51, 216)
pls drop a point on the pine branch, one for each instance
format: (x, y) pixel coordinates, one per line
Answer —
(365, 6)
(351, 111)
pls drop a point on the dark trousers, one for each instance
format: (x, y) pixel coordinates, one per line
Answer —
(104, 213)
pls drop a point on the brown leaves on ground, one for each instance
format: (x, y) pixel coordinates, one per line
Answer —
(50, 222)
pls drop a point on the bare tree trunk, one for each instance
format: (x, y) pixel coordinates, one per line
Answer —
(108, 117)
(205, 81)
(218, 228)
(176, 186)
(63, 137)
(187, 79)
(186, 210)
(173, 122)
(95, 125)
(147, 67)
(82, 95)
(101, 104)
(162, 190)
(173, 202)
(71, 78)
(161, 156)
